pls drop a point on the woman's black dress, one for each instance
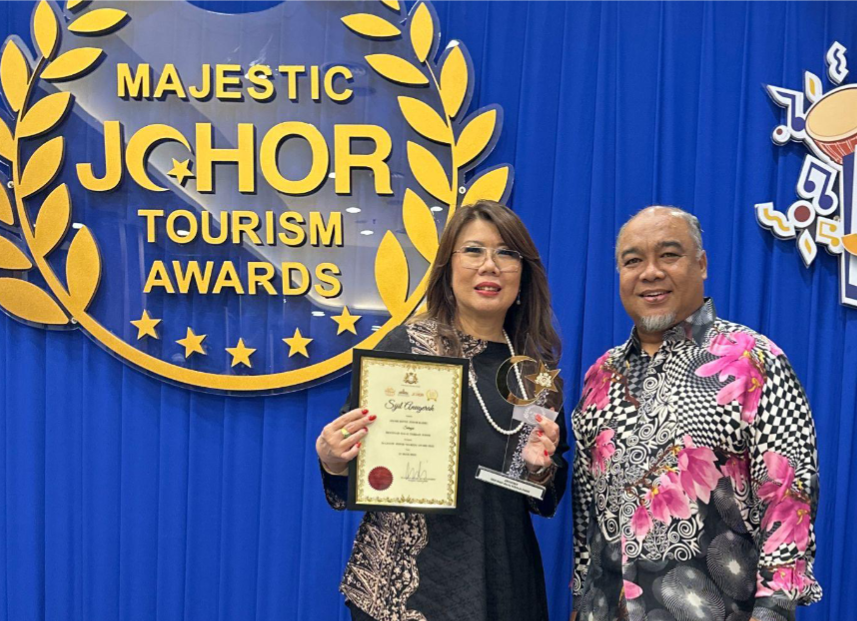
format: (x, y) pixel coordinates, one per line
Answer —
(483, 563)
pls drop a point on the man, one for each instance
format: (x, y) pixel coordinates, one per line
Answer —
(695, 476)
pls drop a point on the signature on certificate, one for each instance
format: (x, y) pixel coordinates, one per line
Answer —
(418, 474)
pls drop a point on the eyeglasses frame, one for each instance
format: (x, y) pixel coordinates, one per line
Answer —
(493, 258)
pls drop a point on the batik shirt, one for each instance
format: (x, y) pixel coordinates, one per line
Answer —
(695, 480)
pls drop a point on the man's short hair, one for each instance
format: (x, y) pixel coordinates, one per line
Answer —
(692, 225)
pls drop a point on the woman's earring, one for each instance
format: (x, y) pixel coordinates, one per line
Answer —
(518, 301)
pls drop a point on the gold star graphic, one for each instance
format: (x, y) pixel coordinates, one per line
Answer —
(241, 354)
(181, 171)
(297, 344)
(346, 321)
(192, 344)
(545, 379)
(146, 326)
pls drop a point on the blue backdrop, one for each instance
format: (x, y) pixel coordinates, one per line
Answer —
(126, 498)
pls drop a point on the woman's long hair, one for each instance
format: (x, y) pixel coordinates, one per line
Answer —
(531, 320)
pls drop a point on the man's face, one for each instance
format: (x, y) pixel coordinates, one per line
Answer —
(660, 277)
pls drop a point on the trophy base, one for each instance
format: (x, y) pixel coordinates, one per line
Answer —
(528, 488)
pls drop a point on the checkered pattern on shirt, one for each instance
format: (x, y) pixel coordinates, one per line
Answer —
(782, 424)
(582, 514)
(694, 397)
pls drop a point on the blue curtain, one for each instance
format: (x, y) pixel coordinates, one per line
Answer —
(126, 498)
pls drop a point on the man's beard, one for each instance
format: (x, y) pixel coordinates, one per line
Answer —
(657, 323)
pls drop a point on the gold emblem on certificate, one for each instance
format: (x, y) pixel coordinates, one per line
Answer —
(410, 461)
(530, 386)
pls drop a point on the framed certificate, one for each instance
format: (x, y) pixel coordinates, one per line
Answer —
(409, 461)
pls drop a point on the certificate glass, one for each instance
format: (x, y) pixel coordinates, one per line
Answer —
(409, 461)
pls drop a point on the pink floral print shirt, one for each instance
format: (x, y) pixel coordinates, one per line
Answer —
(695, 480)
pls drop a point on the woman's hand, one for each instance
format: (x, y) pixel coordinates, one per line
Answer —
(336, 447)
(542, 444)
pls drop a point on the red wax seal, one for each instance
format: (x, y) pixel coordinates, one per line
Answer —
(380, 478)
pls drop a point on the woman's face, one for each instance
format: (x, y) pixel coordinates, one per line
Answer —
(484, 292)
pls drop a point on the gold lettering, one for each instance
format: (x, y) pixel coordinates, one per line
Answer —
(269, 150)
(179, 235)
(260, 76)
(193, 274)
(270, 233)
(243, 155)
(225, 78)
(255, 279)
(325, 235)
(289, 221)
(330, 76)
(170, 82)
(228, 277)
(141, 143)
(205, 89)
(248, 228)
(207, 225)
(315, 86)
(136, 87)
(150, 215)
(159, 277)
(327, 273)
(112, 162)
(344, 160)
(291, 72)
(303, 286)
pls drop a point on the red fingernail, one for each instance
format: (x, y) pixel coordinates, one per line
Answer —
(539, 417)
(373, 417)
(358, 445)
(366, 429)
(540, 433)
(365, 411)
(546, 454)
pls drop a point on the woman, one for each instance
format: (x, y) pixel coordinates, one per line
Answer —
(487, 298)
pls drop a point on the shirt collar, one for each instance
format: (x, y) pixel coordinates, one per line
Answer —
(694, 328)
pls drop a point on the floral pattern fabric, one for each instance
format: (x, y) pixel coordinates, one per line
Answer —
(695, 480)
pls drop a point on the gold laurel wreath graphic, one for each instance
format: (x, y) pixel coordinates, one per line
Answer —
(21, 297)
(68, 302)
(467, 138)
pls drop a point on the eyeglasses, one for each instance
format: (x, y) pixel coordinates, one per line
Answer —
(474, 257)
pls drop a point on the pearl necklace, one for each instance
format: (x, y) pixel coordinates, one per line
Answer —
(472, 378)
